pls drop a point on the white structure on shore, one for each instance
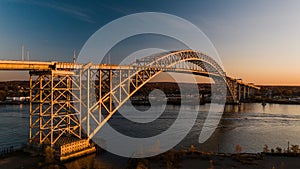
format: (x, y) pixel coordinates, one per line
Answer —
(17, 98)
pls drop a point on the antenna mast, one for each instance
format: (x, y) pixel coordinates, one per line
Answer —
(22, 52)
(74, 57)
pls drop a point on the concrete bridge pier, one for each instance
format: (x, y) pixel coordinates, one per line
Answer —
(239, 92)
(245, 92)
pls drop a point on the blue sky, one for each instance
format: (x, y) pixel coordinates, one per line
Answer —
(256, 40)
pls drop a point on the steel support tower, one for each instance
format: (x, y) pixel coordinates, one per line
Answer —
(54, 105)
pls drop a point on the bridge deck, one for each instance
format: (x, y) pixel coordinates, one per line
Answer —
(37, 65)
(14, 65)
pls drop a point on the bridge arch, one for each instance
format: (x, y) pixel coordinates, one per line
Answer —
(118, 83)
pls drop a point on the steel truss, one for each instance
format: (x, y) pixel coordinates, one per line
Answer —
(67, 98)
(54, 110)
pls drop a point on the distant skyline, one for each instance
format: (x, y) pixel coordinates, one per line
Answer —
(256, 40)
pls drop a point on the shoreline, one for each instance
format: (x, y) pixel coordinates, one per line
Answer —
(190, 158)
(178, 102)
(147, 103)
(194, 159)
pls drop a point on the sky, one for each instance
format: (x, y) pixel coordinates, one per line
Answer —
(256, 40)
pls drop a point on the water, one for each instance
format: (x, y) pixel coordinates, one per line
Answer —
(14, 125)
(250, 125)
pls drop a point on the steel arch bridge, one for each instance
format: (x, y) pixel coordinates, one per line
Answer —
(118, 84)
(60, 92)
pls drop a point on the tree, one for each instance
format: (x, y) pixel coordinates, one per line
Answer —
(238, 149)
(49, 155)
(278, 150)
(211, 164)
(295, 148)
(272, 150)
(266, 149)
(141, 165)
(3, 95)
(288, 92)
(192, 148)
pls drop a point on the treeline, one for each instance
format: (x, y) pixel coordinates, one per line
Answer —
(281, 90)
(174, 88)
(21, 88)
(13, 89)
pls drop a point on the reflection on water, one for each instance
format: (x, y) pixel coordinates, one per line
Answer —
(250, 125)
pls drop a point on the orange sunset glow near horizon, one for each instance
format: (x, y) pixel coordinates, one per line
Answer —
(257, 41)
